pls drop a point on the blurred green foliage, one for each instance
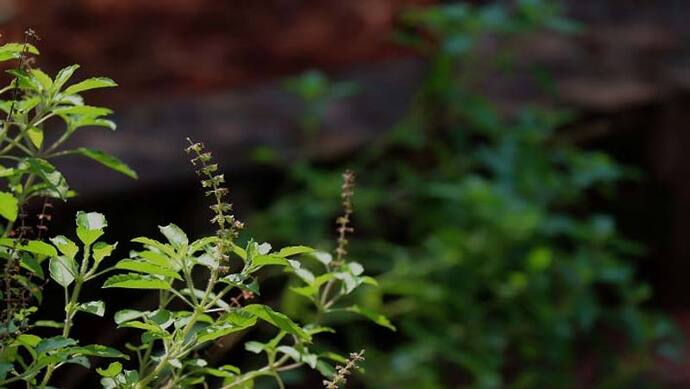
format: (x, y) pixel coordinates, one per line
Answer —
(494, 263)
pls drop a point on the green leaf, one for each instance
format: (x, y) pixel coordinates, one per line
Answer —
(29, 340)
(202, 243)
(32, 246)
(90, 83)
(63, 270)
(48, 324)
(10, 51)
(277, 319)
(373, 316)
(254, 347)
(323, 257)
(90, 226)
(63, 76)
(146, 267)
(95, 307)
(98, 350)
(175, 235)
(32, 264)
(111, 371)
(218, 330)
(107, 160)
(35, 136)
(52, 178)
(65, 245)
(294, 250)
(43, 79)
(162, 247)
(54, 343)
(266, 260)
(136, 281)
(127, 315)
(8, 206)
(148, 327)
(5, 368)
(85, 110)
(100, 250)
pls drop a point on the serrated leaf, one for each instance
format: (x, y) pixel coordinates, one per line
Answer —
(8, 206)
(162, 247)
(90, 83)
(136, 281)
(146, 267)
(107, 160)
(63, 76)
(94, 307)
(100, 250)
(90, 226)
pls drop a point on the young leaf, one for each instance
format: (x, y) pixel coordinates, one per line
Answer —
(107, 160)
(136, 281)
(90, 226)
(95, 307)
(8, 206)
(100, 250)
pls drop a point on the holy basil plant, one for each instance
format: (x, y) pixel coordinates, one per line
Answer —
(195, 281)
(42, 112)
